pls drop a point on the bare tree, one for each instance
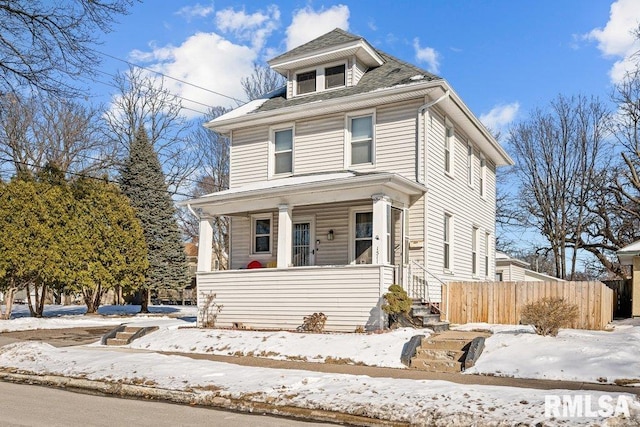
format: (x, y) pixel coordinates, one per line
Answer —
(262, 81)
(559, 154)
(48, 130)
(142, 100)
(212, 176)
(45, 45)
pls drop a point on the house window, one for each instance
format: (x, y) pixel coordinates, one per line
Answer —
(448, 147)
(334, 76)
(487, 236)
(483, 176)
(447, 241)
(474, 251)
(261, 235)
(283, 151)
(363, 237)
(470, 164)
(306, 82)
(499, 276)
(361, 129)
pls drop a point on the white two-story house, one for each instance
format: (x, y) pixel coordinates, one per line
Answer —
(363, 171)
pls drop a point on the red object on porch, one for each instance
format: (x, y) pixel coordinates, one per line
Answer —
(254, 264)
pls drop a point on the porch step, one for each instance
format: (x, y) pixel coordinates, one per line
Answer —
(123, 335)
(429, 319)
(449, 351)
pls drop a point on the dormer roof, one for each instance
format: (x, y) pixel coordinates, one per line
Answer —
(336, 44)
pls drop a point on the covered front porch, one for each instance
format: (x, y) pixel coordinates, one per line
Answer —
(330, 243)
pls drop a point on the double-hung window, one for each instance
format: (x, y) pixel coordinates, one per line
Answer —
(470, 164)
(283, 151)
(334, 76)
(306, 82)
(261, 234)
(487, 236)
(361, 131)
(447, 241)
(483, 176)
(474, 251)
(448, 150)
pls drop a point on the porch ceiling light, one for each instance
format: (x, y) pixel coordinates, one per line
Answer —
(330, 235)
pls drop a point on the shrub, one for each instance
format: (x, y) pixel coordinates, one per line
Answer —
(396, 301)
(313, 323)
(548, 315)
(209, 310)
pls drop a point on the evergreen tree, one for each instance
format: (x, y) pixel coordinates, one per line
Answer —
(143, 181)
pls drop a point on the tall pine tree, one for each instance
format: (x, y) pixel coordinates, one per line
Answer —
(143, 181)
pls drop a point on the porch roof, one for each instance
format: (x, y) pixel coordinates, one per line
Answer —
(307, 190)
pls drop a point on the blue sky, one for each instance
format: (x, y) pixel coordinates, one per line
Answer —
(503, 57)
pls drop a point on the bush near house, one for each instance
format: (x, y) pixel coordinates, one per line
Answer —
(397, 305)
(548, 315)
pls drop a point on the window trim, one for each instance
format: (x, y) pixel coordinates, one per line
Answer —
(348, 163)
(272, 149)
(296, 84)
(470, 168)
(483, 177)
(475, 258)
(449, 147)
(447, 243)
(352, 230)
(320, 77)
(254, 218)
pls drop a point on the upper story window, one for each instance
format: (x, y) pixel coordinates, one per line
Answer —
(283, 151)
(474, 251)
(334, 76)
(447, 255)
(306, 82)
(361, 131)
(483, 176)
(469, 164)
(448, 150)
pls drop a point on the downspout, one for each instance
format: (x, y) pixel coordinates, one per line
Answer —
(424, 108)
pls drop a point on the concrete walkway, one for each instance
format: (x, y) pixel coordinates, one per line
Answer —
(377, 372)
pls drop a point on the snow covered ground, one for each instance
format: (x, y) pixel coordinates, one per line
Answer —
(515, 351)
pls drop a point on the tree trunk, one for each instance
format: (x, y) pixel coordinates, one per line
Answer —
(146, 298)
(32, 312)
(8, 302)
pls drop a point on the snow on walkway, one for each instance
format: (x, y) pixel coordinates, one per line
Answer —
(418, 402)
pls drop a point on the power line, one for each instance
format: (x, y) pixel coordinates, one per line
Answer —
(170, 77)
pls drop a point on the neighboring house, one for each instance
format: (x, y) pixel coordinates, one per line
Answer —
(363, 171)
(515, 270)
(630, 255)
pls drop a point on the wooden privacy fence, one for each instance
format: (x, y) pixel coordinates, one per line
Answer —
(502, 302)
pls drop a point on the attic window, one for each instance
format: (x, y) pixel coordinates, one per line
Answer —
(334, 76)
(306, 82)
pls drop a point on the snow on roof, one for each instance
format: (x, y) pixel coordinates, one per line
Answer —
(247, 108)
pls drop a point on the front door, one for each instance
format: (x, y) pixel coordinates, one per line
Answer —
(303, 252)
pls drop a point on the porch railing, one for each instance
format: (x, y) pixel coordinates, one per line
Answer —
(417, 286)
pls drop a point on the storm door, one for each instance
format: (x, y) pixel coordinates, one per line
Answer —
(303, 250)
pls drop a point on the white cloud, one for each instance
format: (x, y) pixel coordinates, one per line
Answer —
(500, 117)
(427, 55)
(616, 39)
(207, 60)
(255, 27)
(307, 24)
(195, 11)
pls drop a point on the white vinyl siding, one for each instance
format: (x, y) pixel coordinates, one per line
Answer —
(250, 151)
(358, 71)
(396, 138)
(250, 296)
(319, 145)
(454, 196)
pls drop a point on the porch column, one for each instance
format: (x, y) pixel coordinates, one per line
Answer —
(285, 230)
(205, 245)
(381, 205)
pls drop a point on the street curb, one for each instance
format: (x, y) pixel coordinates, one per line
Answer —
(205, 398)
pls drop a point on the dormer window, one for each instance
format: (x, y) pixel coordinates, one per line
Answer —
(334, 76)
(306, 82)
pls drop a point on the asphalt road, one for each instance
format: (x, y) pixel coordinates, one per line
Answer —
(27, 405)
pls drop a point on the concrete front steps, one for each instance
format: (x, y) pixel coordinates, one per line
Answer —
(429, 319)
(123, 335)
(449, 351)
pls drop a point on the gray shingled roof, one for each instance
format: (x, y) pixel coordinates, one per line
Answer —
(393, 72)
(332, 38)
